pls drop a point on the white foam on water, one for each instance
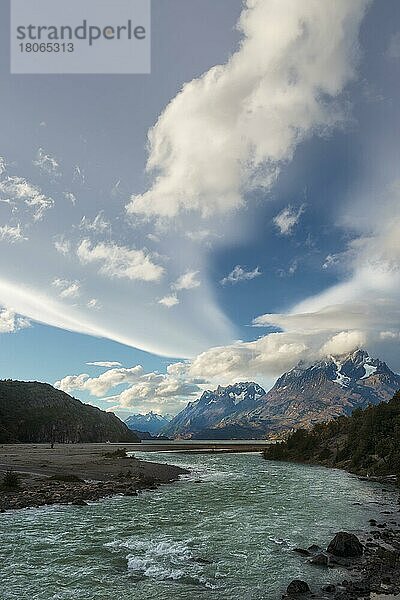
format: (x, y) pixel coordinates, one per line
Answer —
(161, 560)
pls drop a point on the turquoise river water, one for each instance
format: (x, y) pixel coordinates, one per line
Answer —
(228, 538)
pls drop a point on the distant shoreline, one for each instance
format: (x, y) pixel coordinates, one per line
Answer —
(200, 446)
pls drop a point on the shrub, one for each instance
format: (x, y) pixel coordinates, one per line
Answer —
(119, 453)
(11, 480)
(67, 477)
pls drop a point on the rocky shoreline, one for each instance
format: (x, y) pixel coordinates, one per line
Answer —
(75, 475)
(372, 560)
(77, 493)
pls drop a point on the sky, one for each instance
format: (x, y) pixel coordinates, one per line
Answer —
(231, 213)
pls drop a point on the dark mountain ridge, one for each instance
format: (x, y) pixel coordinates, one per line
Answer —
(37, 412)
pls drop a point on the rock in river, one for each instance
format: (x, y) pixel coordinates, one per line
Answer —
(346, 545)
(297, 586)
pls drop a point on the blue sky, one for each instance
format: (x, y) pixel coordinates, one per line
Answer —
(273, 201)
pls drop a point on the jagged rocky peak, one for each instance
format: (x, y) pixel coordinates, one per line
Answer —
(356, 366)
(238, 392)
(343, 369)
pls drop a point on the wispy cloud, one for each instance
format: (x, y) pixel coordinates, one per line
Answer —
(70, 197)
(62, 245)
(93, 303)
(239, 273)
(12, 234)
(105, 363)
(10, 322)
(47, 163)
(97, 225)
(287, 219)
(18, 189)
(188, 281)
(67, 289)
(3, 165)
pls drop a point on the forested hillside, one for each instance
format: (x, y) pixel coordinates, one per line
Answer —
(37, 412)
(367, 442)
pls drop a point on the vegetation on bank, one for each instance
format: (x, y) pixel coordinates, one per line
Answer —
(366, 443)
(10, 481)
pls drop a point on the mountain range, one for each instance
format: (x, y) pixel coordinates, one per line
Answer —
(37, 412)
(151, 422)
(305, 395)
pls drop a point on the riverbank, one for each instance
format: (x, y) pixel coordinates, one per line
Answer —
(227, 532)
(75, 474)
(371, 558)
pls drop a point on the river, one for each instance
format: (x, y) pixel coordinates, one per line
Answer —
(229, 537)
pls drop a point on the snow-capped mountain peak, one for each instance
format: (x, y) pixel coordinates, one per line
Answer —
(356, 366)
(308, 393)
(150, 422)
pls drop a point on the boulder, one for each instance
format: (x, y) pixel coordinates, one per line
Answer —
(330, 588)
(79, 502)
(320, 559)
(314, 549)
(297, 586)
(302, 551)
(346, 545)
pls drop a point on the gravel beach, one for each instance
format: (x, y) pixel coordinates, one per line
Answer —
(75, 473)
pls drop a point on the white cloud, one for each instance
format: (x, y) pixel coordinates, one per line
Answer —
(370, 314)
(233, 128)
(389, 335)
(70, 197)
(3, 165)
(93, 303)
(344, 342)
(19, 189)
(146, 391)
(12, 234)
(169, 301)
(47, 163)
(79, 175)
(67, 289)
(291, 269)
(240, 274)
(10, 322)
(120, 262)
(98, 386)
(361, 311)
(187, 281)
(287, 219)
(98, 225)
(262, 359)
(200, 235)
(105, 363)
(62, 245)
(331, 260)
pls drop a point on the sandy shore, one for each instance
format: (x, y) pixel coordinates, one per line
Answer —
(75, 473)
